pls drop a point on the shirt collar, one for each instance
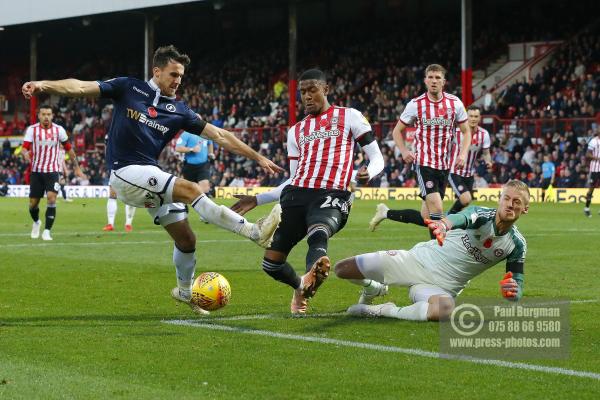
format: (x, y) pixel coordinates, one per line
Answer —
(154, 87)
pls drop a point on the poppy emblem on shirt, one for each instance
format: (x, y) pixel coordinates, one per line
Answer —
(323, 122)
(152, 112)
(488, 243)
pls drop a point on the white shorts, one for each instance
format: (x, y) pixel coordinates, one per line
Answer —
(400, 268)
(143, 186)
(168, 214)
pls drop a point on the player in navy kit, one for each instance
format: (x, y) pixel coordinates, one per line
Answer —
(146, 117)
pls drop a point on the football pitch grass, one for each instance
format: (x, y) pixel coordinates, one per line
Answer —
(89, 315)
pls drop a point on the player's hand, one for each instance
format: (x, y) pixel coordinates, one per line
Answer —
(362, 176)
(244, 204)
(461, 160)
(79, 173)
(196, 148)
(269, 166)
(489, 165)
(509, 287)
(408, 156)
(30, 89)
(439, 228)
(211, 156)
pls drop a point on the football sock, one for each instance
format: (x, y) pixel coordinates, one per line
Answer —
(543, 195)
(317, 245)
(222, 216)
(63, 191)
(35, 213)
(434, 217)
(282, 272)
(406, 216)
(111, 210)
(129, 213)
(185, 265)
(362, 282)
(414, 312)
(456, 207)
(50, 216)
(588, 201)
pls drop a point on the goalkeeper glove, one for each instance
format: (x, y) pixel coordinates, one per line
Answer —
(439, 228)
(509, 287)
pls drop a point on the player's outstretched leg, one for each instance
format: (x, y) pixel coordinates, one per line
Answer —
(588, 201)
(380, 214)
(34, 211)
(111, 212)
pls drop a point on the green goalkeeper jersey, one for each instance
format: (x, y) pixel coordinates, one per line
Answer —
(471, 247)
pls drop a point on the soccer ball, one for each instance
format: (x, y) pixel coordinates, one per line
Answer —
(211, 291)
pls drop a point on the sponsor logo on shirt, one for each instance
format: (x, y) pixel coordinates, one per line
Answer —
(436, 121)
(474, 251)
(314, 135)
(143, 119)
(141, 92)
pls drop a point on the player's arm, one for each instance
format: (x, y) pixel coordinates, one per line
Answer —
(246, 203)
(73, 157)
(211, 150)
(370, 147)
(487, 157)
(27, 142)
(398, 135)
(464, 145)
(64, 87)
(228, 141)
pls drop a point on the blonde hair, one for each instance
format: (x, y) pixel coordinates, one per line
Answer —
(435, 68)
(520, 186)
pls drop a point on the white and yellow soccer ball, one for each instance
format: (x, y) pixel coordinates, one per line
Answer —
(211, 291)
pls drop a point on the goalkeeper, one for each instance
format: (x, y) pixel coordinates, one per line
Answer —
(436, 271)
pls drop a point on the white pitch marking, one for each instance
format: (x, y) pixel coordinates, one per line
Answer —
(388, 349)
(248, 317)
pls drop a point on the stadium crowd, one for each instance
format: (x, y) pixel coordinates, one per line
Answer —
(247, 93)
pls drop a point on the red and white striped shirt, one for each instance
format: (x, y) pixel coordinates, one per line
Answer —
(435, 122)
(45, 146)
(480, 140)
(594, 147)
(324, 147)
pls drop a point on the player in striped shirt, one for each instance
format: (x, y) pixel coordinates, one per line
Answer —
(315, 200)
(461, 179)
(468, 243)
(593, 154)
(435, 114)
(41, 145)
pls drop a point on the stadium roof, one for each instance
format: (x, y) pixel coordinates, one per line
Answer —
(27, 11)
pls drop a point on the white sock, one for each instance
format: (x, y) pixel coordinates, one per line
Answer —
(414, 312)
(361, 282)
(111, 210)
(129, 213)
(185, 265)
(222, 216)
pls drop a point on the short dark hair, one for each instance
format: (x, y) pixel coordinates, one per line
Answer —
(164, 54)
(313, 73)
(45, 106)
(474, 107)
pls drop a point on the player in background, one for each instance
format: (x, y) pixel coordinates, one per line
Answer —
(315, 200)
(112, 206)
(435, 115)
(461, 179)
(468, 243)
(593, 154)
(41, 145)
(548, 172)
(146, 117)
(198, 154)
(63, 175)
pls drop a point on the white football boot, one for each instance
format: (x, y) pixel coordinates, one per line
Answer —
(35, 229)
(195, 308)
(379, 216)
(264, 228)
(46, 235)
(364, 310)
(368, 293)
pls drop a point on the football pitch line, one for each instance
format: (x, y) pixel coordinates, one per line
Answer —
(387, 349)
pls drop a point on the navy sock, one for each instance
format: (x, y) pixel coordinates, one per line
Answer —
(282, 272)
(35, 213)
(50, 216)
(406, 216)
(317, 245)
